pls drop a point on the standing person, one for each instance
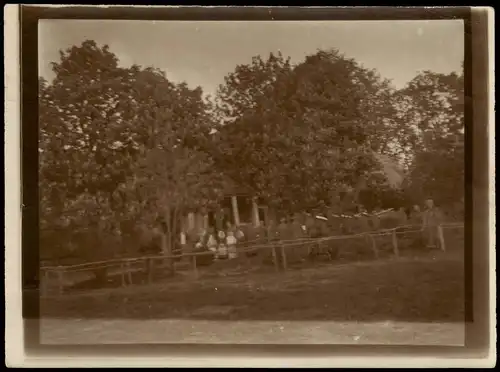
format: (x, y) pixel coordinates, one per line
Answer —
(240, 235)
(416, 216)
(313, 232)
(283, 229)
(219, 219)
(296, 227)
(363, 220)
(230, 227)
(261, 232)
(415, 221)
(402, 217)
(431, 221)
(375, 218)
(272, 231)
(296, 233)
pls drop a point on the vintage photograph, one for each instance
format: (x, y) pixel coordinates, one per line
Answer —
(235, 182)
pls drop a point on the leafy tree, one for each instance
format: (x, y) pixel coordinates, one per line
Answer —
(93, 129)
(86, 141)
(430, 131)
(429, 108)
(297, 134)
(100, 126)
(170, 182)
(244, 88)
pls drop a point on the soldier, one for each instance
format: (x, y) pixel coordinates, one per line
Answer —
(431, 220)
(375, 219)
(240, 234)
(402, 217)
(272, 231)
(283, 230)
(363, 220)
(296, 233)
(416, 216)
(296, 229)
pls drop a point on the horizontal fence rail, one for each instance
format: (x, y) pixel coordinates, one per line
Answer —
(126, 266)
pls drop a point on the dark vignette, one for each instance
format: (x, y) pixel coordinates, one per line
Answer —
(29, 173)
(476, 185)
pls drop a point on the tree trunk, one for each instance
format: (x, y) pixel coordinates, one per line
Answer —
(173, 235)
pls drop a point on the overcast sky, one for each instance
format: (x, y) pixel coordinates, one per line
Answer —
(202, 53)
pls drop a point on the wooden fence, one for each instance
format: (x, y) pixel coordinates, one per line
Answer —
(125, 267)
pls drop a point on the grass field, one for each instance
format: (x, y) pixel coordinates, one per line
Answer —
(415, 300)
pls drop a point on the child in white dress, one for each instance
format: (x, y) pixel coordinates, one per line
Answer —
(222, 248)
(231, 245)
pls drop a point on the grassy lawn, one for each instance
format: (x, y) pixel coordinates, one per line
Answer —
(409, 301)
(425, 289)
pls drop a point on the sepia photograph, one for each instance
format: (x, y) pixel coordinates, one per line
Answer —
(264, 182)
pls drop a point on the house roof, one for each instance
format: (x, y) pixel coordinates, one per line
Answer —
(234, 189)
(391, 168)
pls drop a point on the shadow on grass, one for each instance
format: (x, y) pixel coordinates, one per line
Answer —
(405, 290)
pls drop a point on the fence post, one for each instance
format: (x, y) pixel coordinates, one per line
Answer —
(150, 262)
(195, 268)
(172, 273)
(275, 257)
(283, 256)
(122, 269)
(129, 273)
(60, 282)
(395, 243)
(374, 245)
(441, 238)
(44, 281)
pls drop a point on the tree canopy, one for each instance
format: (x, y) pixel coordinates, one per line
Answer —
(298, 134)
(430, 135)
(122, 147)
(99, 125)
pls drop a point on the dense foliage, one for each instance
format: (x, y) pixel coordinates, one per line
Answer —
(124, 148)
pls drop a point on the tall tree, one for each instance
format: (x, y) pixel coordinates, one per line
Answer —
(91, 127)
(430, 107)
(86, 135)
(171, 175)
(429, 131)
(99, 124)
(297, 134)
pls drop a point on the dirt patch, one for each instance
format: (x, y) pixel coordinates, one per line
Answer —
(126, 331)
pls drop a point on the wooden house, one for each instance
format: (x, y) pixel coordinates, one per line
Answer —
(240, 208)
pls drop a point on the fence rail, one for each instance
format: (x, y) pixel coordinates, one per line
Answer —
(124, 266)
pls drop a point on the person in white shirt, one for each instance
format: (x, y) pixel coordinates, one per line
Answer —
(231, 245)
(222, 248)
(212, 241)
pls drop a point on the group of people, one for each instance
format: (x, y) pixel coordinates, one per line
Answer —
(225, 243)
(222, 243)
(430, 219)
